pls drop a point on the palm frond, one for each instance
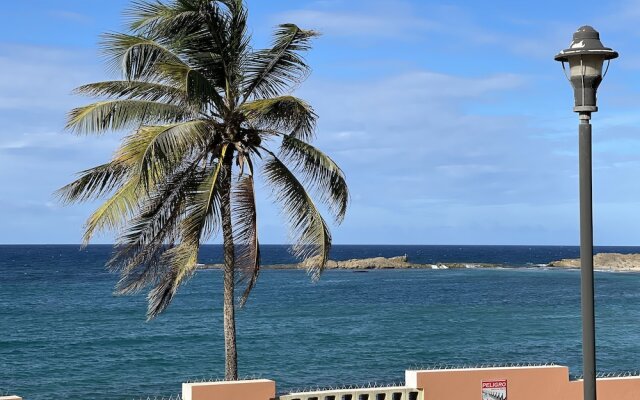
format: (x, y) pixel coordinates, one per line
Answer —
(307, 227)
(237, 32)
(286, 113)
(94, 183)
(203, 212)
(114, 212)
(319, 171)
(145, 59)
(237, 45)
(151, 154)
(182, 261)
(141, 246)
(272, 71)
(202, 215)
(198, 88)
(216, 22)
(154, 16)
(135, 90)
(122, 114)
(168, 146)
(246, 230)
(135, 145)
(195, 29)
(137, 57)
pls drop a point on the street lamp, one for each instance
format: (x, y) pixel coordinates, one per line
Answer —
(586, 56)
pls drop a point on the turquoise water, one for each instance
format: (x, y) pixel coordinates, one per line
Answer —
(65, 336)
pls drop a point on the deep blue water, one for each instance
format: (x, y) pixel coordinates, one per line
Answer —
(63, 334)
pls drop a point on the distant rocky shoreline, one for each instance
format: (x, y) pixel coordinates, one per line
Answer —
(400, 262)
(605, 262)
(602, 261)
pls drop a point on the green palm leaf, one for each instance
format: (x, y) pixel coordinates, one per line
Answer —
(273, 71)
(152, 17)
(286, 113)
(135, 90)
(182, 261)
(168, 147)
(203, 212)
(137, 57)
(122, 114)
(307, 227)
(246, 230)
(114, 212)
(198, 88)
(199, 223)
(154, 230)
(94, 183)
(319, 171)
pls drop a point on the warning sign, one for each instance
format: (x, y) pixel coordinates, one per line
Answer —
(494, 390)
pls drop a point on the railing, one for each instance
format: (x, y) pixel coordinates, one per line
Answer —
(173, 397)
(443, 366)
(366, 393)
(609, 374)
(213, 379)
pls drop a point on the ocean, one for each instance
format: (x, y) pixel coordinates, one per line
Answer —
(64, 335)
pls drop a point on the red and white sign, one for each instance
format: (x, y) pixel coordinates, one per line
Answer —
(494, 390)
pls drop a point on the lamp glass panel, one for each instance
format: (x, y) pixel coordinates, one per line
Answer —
(591, 65)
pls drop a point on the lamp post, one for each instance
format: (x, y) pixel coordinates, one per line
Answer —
(586, 56)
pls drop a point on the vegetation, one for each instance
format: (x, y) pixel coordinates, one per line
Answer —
(205, 109)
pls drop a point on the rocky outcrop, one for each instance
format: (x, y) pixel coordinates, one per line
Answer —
(364, 263)
(399, 262)
(605, 262)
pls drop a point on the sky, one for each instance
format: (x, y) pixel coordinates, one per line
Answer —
(450, 119)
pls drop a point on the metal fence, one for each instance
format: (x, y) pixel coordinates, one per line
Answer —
(211, 379)
(441, 366)
(613, 374)
(176, 397)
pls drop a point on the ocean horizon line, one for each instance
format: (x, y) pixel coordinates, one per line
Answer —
(349, 244)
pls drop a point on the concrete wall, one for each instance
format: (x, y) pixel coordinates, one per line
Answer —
(526, 383)
(259, 389)
(522, 383)
(627, 388)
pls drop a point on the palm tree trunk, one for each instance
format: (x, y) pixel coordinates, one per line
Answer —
(231, 354)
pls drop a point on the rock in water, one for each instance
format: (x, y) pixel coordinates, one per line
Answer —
(605, 261)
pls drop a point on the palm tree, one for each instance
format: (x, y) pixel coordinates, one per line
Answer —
(204, 109)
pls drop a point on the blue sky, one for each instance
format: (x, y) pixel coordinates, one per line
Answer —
(451, 119)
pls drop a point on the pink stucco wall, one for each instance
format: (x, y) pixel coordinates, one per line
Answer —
(530, 383)
(259, 389)
(627, 388)
(523, 383)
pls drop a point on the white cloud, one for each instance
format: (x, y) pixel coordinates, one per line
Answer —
(446, 25)
(375, 24)
(421, 155)
(466, 170)
(36, 156)
(36, 78)
(54, 140)
(35, 95)
(349, 135)
(71, 16)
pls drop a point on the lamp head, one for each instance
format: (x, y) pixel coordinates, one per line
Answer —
(586, 55)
